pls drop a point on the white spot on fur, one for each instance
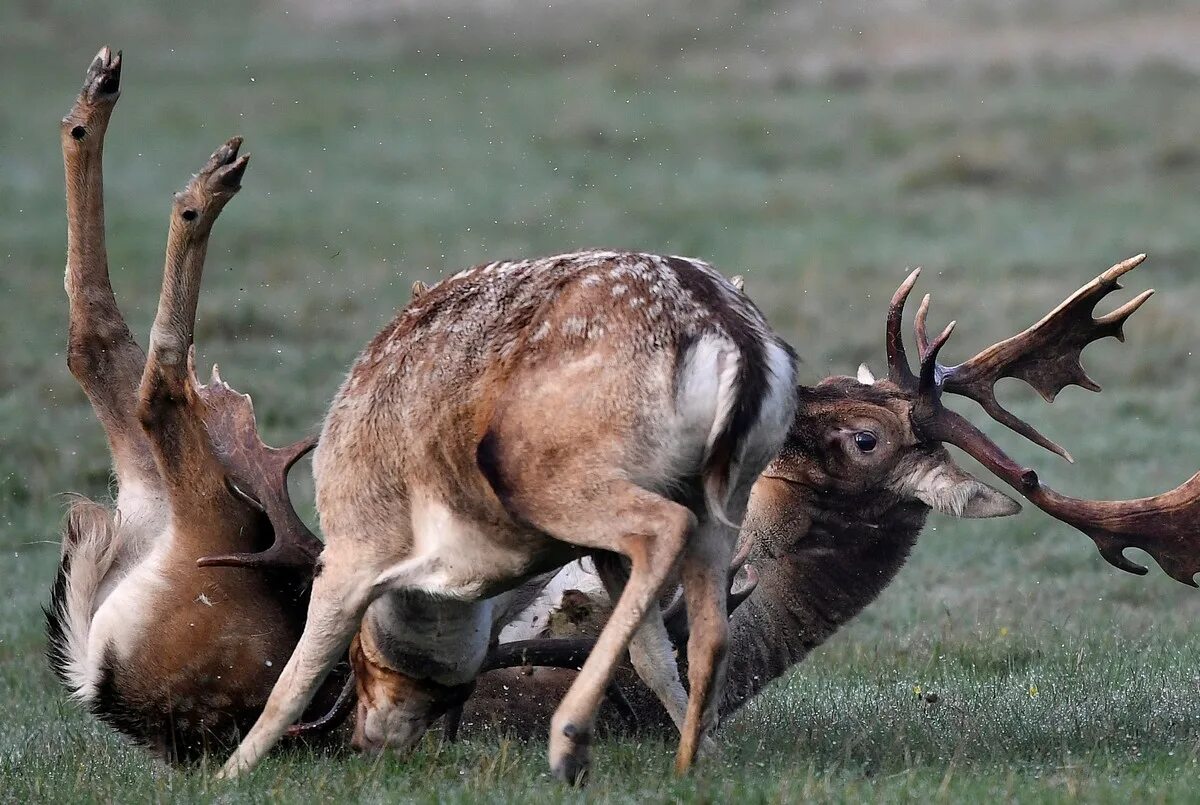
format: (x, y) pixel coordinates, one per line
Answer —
(619, 290)
(203, 599)
(528, 623)
(542, 332)
(575, 325)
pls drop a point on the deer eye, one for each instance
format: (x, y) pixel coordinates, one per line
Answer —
(865, 440)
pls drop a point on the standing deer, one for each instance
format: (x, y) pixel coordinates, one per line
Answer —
(177, 656)
(834, 516)
(516, 416)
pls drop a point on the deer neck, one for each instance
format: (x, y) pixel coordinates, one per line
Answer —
(820, 561)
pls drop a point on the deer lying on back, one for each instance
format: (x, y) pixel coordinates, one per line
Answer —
(177, 656)
(834, 517)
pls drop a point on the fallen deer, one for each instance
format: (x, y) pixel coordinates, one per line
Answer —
(179, 657)
(834, 517)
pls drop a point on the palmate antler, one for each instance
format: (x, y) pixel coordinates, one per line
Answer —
(257, 474)
(1047, 357)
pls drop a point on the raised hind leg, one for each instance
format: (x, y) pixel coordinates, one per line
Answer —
(101, 352)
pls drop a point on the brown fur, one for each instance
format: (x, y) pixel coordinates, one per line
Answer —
(828, 532)
(188, 654)
(514, 417)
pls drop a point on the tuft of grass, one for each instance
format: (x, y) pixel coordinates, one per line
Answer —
(1007, 662)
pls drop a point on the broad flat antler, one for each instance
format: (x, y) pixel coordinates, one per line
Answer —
(258, 475)
(1047, 357)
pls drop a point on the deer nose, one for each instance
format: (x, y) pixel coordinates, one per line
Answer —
(391, 727)
(361, 741)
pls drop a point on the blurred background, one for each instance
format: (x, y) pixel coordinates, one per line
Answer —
(1014, 148)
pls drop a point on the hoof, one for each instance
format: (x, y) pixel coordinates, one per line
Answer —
(569, 756)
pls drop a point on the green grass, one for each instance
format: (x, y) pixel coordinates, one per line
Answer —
(384, 154)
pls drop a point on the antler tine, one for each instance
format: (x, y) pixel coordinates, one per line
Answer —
(919, 326)
(548, 652)
(899, 370)
(1046, 355)
(1166, 526)
(257, 474)
(931, 371)
(342, 707)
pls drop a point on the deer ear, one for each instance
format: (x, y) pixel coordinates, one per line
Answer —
(865, 376)
(951, 490)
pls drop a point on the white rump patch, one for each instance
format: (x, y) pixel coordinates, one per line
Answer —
(708, 387)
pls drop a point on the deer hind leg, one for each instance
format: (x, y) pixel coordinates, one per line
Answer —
(705, 589)
(168, 407)
(650, 648)
(614, 515)
(651, 531)
(101, 352)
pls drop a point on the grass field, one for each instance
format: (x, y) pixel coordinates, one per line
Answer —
(386, 152)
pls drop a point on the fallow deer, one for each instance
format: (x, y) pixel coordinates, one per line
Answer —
(511, 418)
(177, 656)
(834, 516)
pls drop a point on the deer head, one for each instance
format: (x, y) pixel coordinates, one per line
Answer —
(853, 443)
(833, 517)
(855, 435)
